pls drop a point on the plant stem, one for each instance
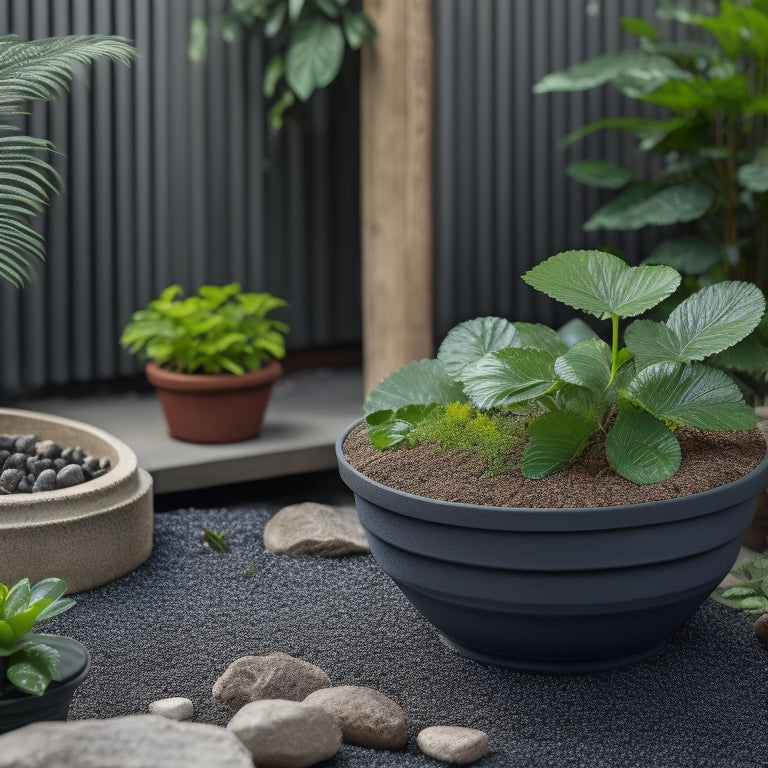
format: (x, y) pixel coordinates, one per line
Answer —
(614, 347)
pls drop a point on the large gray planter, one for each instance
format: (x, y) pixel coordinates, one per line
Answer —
(560, 589)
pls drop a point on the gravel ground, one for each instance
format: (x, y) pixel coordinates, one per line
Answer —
(173, 625)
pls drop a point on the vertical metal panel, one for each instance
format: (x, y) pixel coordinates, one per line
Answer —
(503, 201)
(171, 174)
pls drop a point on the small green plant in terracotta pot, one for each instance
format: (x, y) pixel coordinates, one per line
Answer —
(38, 672)
(533, 580)
(212, 357)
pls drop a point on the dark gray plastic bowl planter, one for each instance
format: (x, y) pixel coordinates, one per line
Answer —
(555, 590)
(23, 708)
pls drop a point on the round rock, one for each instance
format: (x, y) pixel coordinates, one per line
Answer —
(48, 449)
(25, 444)
(70, 475)
(174, 708)
(286, 734)
(269, 676)
(366, 716)
(453, 744)
(46, 481)
(761, 629)
(10, 479)
(16, 461)
(315, 529)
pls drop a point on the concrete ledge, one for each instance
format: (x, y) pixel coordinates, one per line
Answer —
(88, 534)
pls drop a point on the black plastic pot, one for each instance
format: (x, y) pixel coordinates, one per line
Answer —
(553, 590)
(23, 709)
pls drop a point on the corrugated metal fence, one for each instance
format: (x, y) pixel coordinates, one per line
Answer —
(172, 176)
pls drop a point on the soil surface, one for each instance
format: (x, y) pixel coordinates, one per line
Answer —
(710, 459)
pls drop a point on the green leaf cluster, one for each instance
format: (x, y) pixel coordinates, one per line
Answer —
(712, 144)
(310, 38)
(630, 397)
(35, 70)
(29, 663)
(752, 594)
(219, 330)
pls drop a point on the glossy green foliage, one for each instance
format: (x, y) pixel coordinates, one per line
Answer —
(29, 663)
(219, 330)
(631, 396)
(310, 38)
(712, 143)
(35, 70)
(752, 594)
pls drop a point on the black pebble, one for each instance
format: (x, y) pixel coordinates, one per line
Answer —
(59, 464)
(4, 454)
(70, 475)
(16, 461)
(10, 479)
(46, 481)
(47, 449)
(41, 465)
(7, 442)
(25, 444)
(91, 464)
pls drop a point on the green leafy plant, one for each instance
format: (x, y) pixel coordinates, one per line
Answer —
(220, 330)
(27, 663)
(632, 397)
(310, 37)
(35, 70)
(707, 206)
(752, 594)
(215, 541)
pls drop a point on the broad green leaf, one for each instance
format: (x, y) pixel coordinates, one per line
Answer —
(750, 354)
(707, 322)
(754, 175)
(510, 376)
(735, 592)
(421, 382)
(587, 364)
(645, 128)
(55, 608)
(602, 284)
(556, 438)
(639, 27)
(670, 205)
(17, 599)
(467, 342)
(295, 7)
(314, 56)
(328, 7)
(28, 678)
(615, 213)
(599, 173)
(274, 23)
(689, 254)
(645, 71)
(641, 448)
(390, 428)
(538, 336)
(574, 331)
(756, 604)
(357, 28)
(739, 30)
(691, 394)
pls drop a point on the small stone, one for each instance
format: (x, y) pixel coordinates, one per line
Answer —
(40, 465)
(452, 744)
(4, 454)
(7, 442)
(175, 708)
(46, 481)
(761, 629)
(91, 464)
(70, 475)
(23, 486)
(10, 479)
(136, 741)
(16, 461)
(25, 444)
(68, 453)
(366, 716)
(269, 676)
(315, 529)
(78, 455)
(286, 734)
(105, 462)
(60, 463)
(48, 449)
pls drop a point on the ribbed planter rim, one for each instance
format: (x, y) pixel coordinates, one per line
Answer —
(548, 519)
(185, 382)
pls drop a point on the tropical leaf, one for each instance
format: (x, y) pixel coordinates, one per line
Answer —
(707, 322)
(538, 336)
(644, 128)
(314, 56)
(689, 254)
(754, 176)
(639, 27)
(587, 364)
(574, 331)
(641, 448)
(421, 382)
(556, 438)
(691, 394)
(599, 173)
(467, 342)
(602, 284)
(510, 376)
(615, 212)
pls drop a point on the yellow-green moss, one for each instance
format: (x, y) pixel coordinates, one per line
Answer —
(494, 436)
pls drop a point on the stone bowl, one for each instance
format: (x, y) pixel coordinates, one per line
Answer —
(88, 534)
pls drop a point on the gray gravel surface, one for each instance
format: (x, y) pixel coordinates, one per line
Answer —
(172, 626)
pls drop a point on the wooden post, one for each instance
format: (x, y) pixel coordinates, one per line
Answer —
(396, 128)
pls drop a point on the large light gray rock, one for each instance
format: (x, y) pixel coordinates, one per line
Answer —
(366, 716)
(137, 741)
(315, 529)
(453, 744)
(286, 734)
(270, 676)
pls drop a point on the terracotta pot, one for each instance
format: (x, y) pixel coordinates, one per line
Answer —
(202, 408)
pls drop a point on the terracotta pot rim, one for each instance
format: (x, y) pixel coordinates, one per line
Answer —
(185, 382)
